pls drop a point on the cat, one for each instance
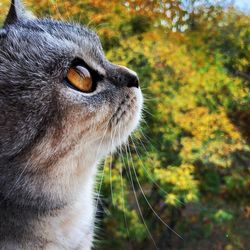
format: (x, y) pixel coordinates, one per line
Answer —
(63, 108)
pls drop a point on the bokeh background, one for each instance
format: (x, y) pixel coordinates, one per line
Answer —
(184, 181)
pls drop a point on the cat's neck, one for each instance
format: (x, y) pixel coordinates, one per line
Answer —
(68, 225)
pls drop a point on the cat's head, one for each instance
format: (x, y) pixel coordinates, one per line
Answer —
(58, 90)
(62, 103)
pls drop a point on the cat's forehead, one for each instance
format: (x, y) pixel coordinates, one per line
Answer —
(61, 38)
(66, 30)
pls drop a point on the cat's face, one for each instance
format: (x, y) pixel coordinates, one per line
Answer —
(43, 117)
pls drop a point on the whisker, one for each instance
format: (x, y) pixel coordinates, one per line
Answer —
(148, 140)
(123, 194)
(110, 164)
(150, 206)
(148, 112)
(100, 185)
(138, 205)
(122, 184)
(148, 174)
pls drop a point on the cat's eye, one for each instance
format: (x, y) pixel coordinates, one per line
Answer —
(80, 78)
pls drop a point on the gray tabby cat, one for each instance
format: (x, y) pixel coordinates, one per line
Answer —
(63, 107)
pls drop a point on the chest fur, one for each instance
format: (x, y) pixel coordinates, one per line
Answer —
(72, 228)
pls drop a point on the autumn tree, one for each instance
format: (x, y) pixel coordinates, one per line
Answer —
(183, 181)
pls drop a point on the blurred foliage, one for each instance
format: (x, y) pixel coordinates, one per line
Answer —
(187, 169)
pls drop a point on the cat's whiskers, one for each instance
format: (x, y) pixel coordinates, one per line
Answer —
(110, 163)
(102, 175)
(136, 199)
(97, 26)
(146, 199)
(122, 183)
(148, 173)
(142, 164)
(148, 112)
(146, 138)
(123, 193)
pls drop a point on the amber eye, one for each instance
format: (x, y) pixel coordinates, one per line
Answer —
(80, 78)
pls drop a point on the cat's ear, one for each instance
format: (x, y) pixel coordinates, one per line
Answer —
(17, 13)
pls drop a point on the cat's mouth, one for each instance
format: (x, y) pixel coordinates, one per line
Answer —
(125, 119)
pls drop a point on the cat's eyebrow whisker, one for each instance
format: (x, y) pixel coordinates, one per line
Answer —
(98, 25)
(146, 199)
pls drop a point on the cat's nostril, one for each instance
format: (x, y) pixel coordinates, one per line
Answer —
(133, 81)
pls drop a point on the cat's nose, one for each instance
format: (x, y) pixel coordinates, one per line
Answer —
(132, 79)
(134, 82)
(123, 76)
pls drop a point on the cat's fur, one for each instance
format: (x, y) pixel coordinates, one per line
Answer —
(52, 136)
